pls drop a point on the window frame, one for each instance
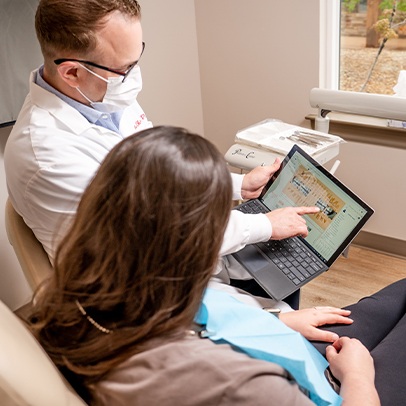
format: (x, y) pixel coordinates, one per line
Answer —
(329, 43)
(349, 126)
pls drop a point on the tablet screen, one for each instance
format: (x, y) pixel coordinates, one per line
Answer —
(301, 181)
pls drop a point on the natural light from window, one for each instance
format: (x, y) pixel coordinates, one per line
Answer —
(373, 46)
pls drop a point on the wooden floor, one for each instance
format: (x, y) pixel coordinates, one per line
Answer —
(349, 279)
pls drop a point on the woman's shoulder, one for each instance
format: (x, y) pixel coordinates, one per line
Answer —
(201, 371)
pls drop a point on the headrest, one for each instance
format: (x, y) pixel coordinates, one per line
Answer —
(28, 377)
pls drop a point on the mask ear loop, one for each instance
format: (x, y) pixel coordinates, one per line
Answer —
(94, 73)
(77, 88)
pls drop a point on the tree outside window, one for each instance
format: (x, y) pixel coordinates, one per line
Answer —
(373, 46)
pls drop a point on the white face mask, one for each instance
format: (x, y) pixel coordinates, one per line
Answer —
(119, 94)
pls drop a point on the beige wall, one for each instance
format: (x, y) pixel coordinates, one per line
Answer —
(170, 64)
(258, 59)
(216, 66)
(377, 175)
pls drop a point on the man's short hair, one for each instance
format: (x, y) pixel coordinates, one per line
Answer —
(70, 26)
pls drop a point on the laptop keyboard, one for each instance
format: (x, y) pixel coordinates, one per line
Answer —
(297, 263)
(252, 207)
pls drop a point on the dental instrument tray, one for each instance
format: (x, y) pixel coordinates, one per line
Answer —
(279, 137)
(261, 143)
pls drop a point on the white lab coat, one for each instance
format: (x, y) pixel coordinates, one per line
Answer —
(53, 153)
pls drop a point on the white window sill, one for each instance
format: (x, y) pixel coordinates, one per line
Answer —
(364, 129)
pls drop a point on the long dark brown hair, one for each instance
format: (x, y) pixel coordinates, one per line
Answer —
(138, 256)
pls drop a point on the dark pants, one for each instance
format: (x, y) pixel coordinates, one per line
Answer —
(380, 324)
(251, 286)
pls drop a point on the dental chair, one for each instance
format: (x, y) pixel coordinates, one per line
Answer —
(29, 251)
(28, 377)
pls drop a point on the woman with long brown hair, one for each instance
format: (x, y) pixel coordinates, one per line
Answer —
(118, 316)
(138, 256)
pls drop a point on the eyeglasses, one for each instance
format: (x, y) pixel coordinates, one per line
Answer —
(95, 65)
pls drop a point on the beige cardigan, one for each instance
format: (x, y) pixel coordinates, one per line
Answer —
(196, 371)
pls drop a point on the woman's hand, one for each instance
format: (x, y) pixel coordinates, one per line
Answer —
(307, 321)
(352, 364)
(347, 357)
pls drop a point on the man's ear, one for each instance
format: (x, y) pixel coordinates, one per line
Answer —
(70, 73)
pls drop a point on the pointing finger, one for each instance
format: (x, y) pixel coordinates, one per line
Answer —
(307, 210)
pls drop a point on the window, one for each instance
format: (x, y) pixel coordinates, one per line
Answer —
(363, 48)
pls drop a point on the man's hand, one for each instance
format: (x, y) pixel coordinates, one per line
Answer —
(307, 321)
(288, 221)
(254, 181)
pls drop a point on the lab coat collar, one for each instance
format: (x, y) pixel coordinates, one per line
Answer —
(58, 108)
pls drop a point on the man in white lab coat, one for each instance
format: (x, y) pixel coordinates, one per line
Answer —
(81, 103)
